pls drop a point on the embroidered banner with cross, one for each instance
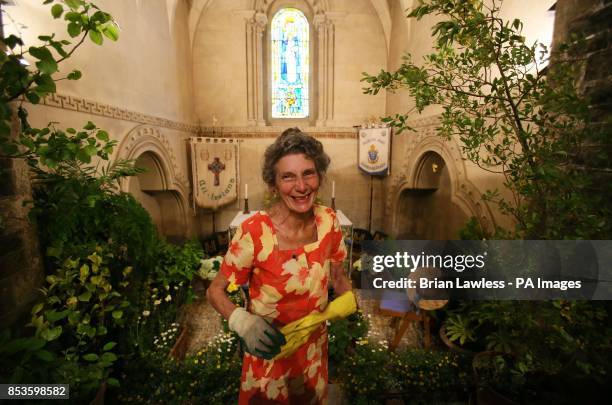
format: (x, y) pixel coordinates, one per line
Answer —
(214, 163)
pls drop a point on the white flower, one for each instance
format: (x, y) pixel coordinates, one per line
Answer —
(167, 287)
(168, 298)
(146, 313)
(157, 302)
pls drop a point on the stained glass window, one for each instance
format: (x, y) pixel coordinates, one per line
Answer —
(290, 64)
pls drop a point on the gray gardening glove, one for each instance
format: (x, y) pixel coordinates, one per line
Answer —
(260, 337)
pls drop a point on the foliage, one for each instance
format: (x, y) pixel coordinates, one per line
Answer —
(428, 376)
(417, 376)
(512, 115)
(160, 295)
(19, 82)
(83, 207)
(210, 267)
(344, 334)
(212, 375)
(564, 339)
(24, 357)
(84, 305)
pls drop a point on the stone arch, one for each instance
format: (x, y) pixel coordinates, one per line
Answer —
(163, 189)
(428, 148)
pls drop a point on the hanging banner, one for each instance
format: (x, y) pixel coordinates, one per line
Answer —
(375, 151)
(214, 163)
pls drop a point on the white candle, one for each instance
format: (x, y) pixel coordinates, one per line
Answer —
(333, 189)
(246, 190)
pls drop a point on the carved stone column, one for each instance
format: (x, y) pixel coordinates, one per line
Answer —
(325, 43)
(255, 28)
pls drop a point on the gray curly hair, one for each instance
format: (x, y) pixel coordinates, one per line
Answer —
(292, 141)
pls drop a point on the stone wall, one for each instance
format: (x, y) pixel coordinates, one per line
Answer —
(592, 20)
(21, 271)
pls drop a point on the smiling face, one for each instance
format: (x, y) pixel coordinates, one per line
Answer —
(297, 182)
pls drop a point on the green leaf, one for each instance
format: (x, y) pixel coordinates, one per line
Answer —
(83, 156)
(102, 135)
(108, 357)
(86, 296)
(91, 357)
(89, 126)
(117, 314)
(112, 382)
(73, 4)
(45, 355)
(51, 334)
(57, 10)
(54, 316)
(12, 41)
(96, 37)
(109, 346)
(111, 31)
(74, 29)
(74, 75)
(45, 84)
(84, 272)
(22, 344)
(91, 150)
(33, 97)
(46, 64)
(37, 308)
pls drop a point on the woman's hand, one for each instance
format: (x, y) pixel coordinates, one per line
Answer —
(261, 338)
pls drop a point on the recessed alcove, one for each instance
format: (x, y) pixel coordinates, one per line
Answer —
(426, 210)
(150, 188)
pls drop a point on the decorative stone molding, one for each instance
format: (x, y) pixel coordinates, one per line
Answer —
(318, 6)
(463, 192)
(144, 139)
(79, 104)
(273, 132)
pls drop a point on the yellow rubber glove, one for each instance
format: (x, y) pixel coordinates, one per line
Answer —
(297, 332)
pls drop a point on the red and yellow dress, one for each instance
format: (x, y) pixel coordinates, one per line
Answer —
(285, 285)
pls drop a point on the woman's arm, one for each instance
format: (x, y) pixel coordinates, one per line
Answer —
(215, 294)
(340, 282)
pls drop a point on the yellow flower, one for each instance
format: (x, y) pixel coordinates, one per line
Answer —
(232, 287)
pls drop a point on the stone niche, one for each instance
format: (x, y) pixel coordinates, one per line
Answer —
(431, 194)
(426, 211)
(161, 188)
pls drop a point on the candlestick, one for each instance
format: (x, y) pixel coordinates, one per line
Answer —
(333, 204)
(246, 206)
(333, 190)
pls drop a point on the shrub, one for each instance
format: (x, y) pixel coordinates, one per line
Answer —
(417, 376)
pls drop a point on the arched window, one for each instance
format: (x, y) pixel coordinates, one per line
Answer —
(290, 64)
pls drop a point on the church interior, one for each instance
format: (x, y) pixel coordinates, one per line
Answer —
(190, 80)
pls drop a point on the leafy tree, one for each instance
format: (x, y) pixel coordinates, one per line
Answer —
(513, 114)
(20, 82)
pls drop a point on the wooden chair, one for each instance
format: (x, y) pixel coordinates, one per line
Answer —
(396, 305)
(400, 307)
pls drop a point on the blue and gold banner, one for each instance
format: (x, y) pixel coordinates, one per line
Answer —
(375, 151)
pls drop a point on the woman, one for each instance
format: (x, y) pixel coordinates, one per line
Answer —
(289, 255)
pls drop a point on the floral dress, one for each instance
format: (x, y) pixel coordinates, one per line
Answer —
(285, 285)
